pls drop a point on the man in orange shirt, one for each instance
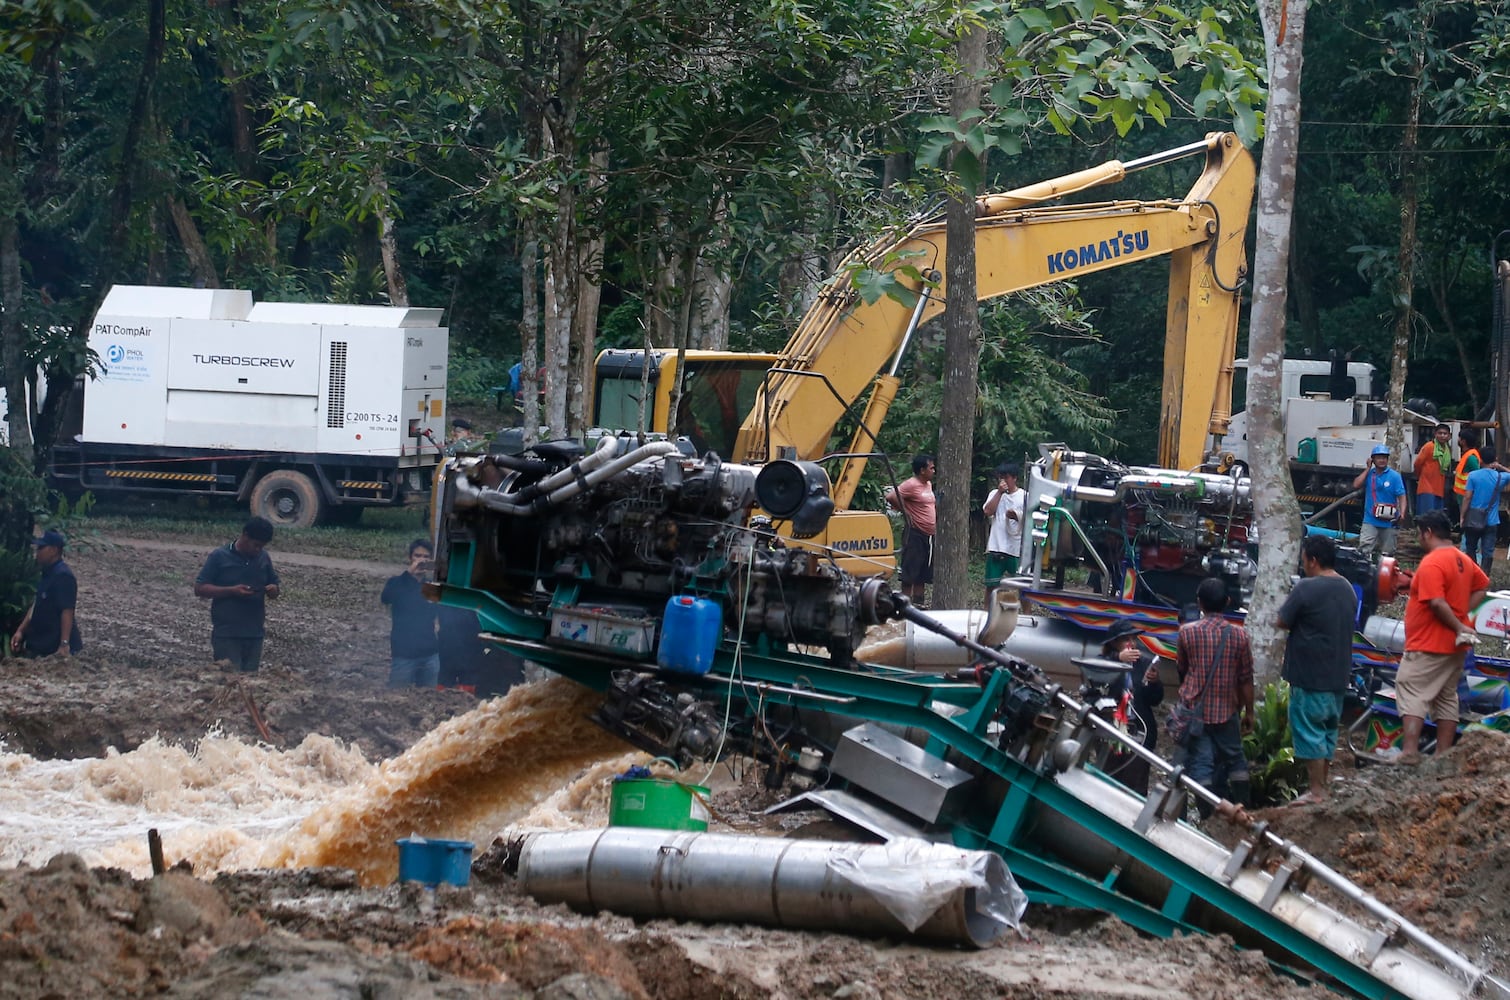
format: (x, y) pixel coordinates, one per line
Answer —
(1433, 464)
(1437, 636)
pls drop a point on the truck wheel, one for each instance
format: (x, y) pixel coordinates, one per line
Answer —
(287, 498)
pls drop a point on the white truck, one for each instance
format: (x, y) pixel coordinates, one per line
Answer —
(1332, 421)
(307, 413)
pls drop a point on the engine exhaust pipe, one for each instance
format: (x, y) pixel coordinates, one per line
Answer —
(907, 887)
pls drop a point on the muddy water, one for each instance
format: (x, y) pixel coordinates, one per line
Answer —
(465, 780)
(531, 758)
(215, 803)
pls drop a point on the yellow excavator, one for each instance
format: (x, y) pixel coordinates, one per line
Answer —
(753, 408)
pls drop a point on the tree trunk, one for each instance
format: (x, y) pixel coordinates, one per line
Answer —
(711, 288)
(952, 586)
(1277, 513)
(529, 333)
(12, 333)
(560, 309)
(198, 254)
(584, 337)
(711, 317)
(1405, 269)
(393, 271)
(560, 144)
(799, 281)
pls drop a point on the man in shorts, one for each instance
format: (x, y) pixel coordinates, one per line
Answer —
(1319, 615)
(1437, 636)
(915, 499)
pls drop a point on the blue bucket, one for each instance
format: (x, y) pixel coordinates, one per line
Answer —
(432, 862)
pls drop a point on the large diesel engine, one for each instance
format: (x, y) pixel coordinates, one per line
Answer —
(598, 542)
(1148, 534)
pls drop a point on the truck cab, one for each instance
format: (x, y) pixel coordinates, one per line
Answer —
(1332, 421)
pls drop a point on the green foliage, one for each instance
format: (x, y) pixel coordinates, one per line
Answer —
(876, 279)
(1066, 63)
(72, 518)
(1027, 392)
(473, 376)
(1275, 775)
(23, 498)
(624, 326)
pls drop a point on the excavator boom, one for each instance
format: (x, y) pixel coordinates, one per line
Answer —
(1022, 243)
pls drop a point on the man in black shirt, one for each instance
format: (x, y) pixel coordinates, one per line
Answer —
(1319, 614)
(237, 580)
(51, 616)
(416, 654)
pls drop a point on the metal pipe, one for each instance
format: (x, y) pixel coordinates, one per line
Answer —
(924, 294)
(575, 478)
(763, 880)
(1385, 633)
(1090, 546)
(1313, 866)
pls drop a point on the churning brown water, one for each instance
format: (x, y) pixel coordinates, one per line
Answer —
(529, 758)
(465, 780)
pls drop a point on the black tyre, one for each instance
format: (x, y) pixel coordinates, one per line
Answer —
(287, 498)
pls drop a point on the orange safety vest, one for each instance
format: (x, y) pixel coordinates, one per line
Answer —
(1460, 477)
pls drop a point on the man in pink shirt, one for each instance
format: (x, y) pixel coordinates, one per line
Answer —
(914, 498)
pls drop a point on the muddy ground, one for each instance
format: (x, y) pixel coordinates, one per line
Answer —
(1429, 841)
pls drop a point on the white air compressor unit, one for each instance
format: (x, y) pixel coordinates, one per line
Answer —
(306, 411)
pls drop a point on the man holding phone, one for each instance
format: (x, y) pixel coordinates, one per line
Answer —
(413, 643)
(1005, 508)
(238, 579)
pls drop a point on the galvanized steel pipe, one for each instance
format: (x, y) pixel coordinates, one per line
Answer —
(732, 878)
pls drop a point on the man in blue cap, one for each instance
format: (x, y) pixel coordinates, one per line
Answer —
(51, 616)
(1383, 505)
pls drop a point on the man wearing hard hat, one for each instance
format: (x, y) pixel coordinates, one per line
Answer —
(1383, 505)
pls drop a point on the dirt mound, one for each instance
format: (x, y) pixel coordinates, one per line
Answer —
(1432, 841)
(66, 930)
(66, 709)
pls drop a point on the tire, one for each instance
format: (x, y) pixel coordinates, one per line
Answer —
(288, 499)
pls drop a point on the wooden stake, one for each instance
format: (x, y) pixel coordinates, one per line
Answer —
(155, 848)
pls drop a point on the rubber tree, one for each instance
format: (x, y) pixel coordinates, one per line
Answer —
(951, 553)
(1275, 508)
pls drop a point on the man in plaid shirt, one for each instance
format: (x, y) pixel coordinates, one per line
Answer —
(1216, 676)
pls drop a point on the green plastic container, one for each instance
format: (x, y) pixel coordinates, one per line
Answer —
(658, 803)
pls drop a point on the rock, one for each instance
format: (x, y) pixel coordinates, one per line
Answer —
(182, 903)
(581, 986)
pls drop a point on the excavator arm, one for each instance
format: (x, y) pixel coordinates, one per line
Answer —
(1022, 243)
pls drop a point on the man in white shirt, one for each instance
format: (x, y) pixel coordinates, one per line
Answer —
(1005, 509)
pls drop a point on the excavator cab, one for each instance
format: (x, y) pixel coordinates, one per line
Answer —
(718, 389)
